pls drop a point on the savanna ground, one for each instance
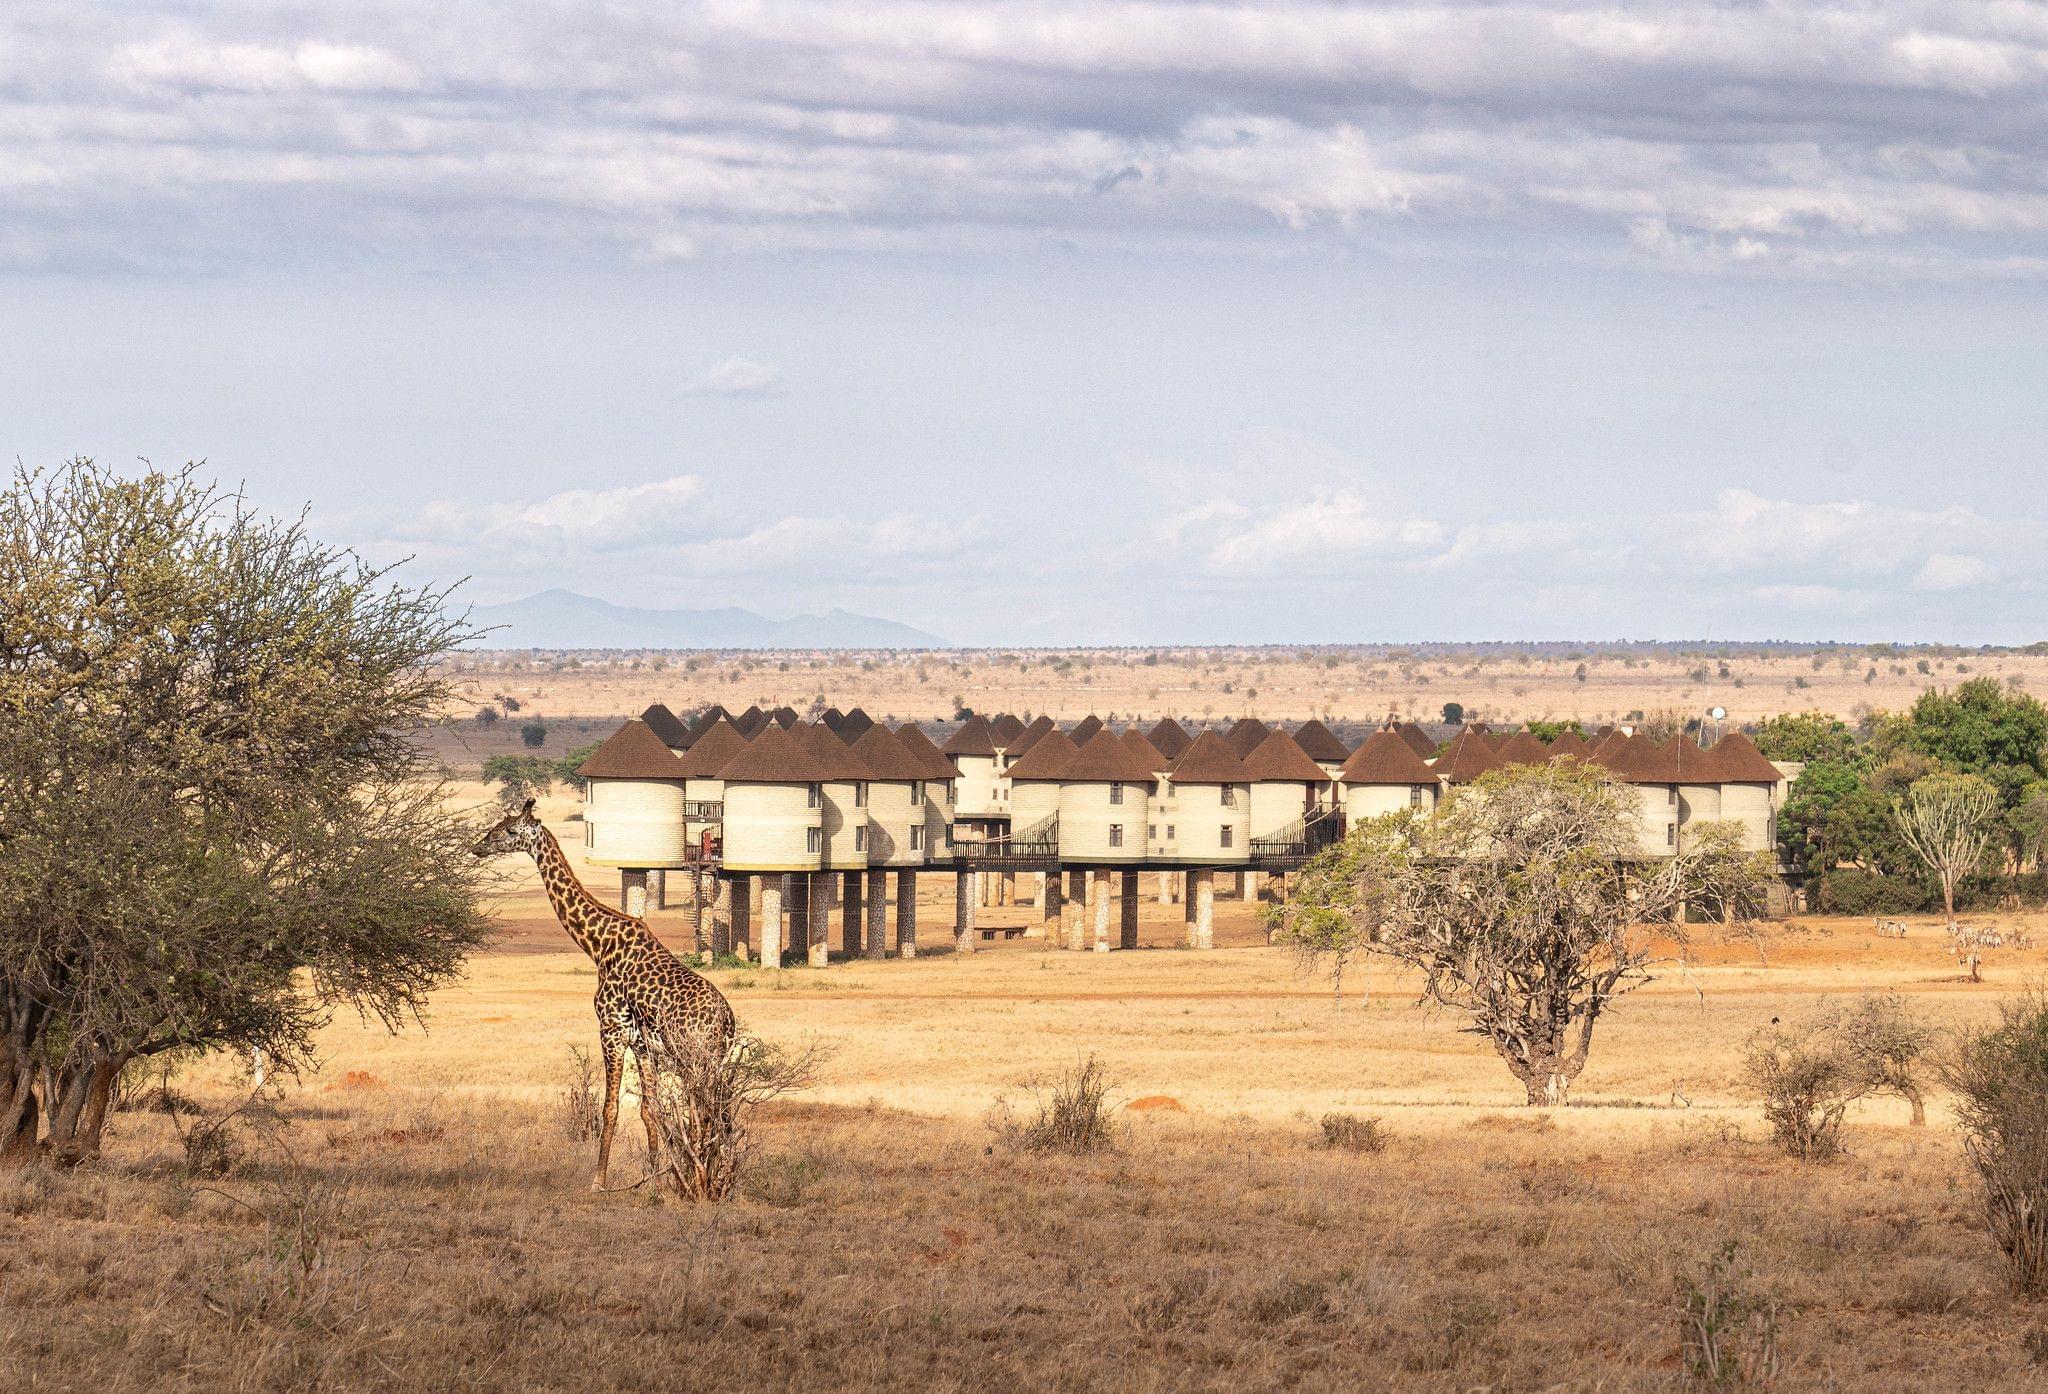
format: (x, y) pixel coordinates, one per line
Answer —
(420, 1218)
(581, 697)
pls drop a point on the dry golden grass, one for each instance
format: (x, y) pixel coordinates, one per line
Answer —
(434, 1231)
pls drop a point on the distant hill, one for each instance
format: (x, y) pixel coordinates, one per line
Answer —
(559, 619)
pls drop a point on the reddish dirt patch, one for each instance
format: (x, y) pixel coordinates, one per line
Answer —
(1157, 1103)
(355, 1079)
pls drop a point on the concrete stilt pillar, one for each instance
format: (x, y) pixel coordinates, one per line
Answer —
(1077, 911)
(1077, 887)
(963, 910)
(796, 895)
(1009, 888)
(746, 939)
(1100, 890)
(877, 942)
(1044, 886)
(1187, 903)
(1166, 886)
(1049, 899)
(906, 914)
(700, 931)
(661, 889)
(633, 892)
(1127, 930)
(1205, 909)
(818, 940)
(980, 887)
(851, 912)
(725, 933)
(771, 920)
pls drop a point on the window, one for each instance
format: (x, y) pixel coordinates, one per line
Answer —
(1116, 834)
(1415, 796)
(917, 791)
(811, 841)
(916, 839)
(1226, 831)
(1116, 793)
(860, 839)
(1169, 832)
(1671, 796)
(860, 793)
(1671, 834)
(817, 796)
(1230, 796)
(1152, 832)
(949, 792)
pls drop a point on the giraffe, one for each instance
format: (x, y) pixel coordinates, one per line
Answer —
(643, 990)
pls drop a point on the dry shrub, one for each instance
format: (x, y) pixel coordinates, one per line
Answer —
(579, 1109)
(704, 1098)
(1347, 1132)
(1728, 1328)
(2000, 1077)
(1071, 1112)
(1810, 1071)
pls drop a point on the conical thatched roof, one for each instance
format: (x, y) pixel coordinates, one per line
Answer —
(1416, 739)
(753, 721)
(666, 724)
(972, 739)
(631, 752)
(1244, 737)
(1570, 744)
(854, 725)
(1279, 758)
(1320, 743)
(1386, 759)
(1523, 748)
(776, 756)
(1031, 735)
(1105, 759)
(887, 758)
(1207, 760)
(710, 752)
(1005, 728)
(835, 760)
(1738, 761)
(1085, 729)
(1144, 750)
(1049, 758)
(1169, 738)
(1466, 758)
(912, 738)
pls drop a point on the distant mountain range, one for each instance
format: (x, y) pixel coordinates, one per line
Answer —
(559, 619)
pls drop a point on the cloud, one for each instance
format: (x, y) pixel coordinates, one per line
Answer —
(591, 520)
(735, 377)
(1833, 139)
(1945, 571)
(1333, 526)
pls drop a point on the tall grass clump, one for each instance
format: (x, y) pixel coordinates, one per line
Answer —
(2000, 1079)
(704, 1098)
(1070, 1112)
(1728, 1327)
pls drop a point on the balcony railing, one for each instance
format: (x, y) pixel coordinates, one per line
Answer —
(1036, 848)
(1320, 828)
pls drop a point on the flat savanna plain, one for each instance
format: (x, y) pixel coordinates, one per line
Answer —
(421, 1219)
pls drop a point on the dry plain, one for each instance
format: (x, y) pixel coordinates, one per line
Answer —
(420, 1218)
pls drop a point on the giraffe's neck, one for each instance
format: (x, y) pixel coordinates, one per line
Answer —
(574, 906)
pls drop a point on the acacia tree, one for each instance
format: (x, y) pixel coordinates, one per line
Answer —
(1527, 905)
(217, 823)
(1946, 819)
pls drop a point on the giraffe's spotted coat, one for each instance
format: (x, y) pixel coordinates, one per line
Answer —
(643, 991)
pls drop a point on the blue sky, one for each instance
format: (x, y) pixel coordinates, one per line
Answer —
(1045, 323)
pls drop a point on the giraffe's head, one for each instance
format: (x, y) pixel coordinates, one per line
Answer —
(516, 832)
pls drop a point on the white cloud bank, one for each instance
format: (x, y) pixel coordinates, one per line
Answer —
(1825, 138)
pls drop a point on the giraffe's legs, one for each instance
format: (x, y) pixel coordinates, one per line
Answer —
(614, 1071)
(648, 1084)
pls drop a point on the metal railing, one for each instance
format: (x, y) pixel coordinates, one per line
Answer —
(1034, 848)
(1315, 831)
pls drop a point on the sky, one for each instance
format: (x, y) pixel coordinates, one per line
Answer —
(1037, 322)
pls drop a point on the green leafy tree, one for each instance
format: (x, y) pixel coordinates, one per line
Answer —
(1947, 821)
(1808, 736)
(1523, 902)
(1454, 713)
(220, 822)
